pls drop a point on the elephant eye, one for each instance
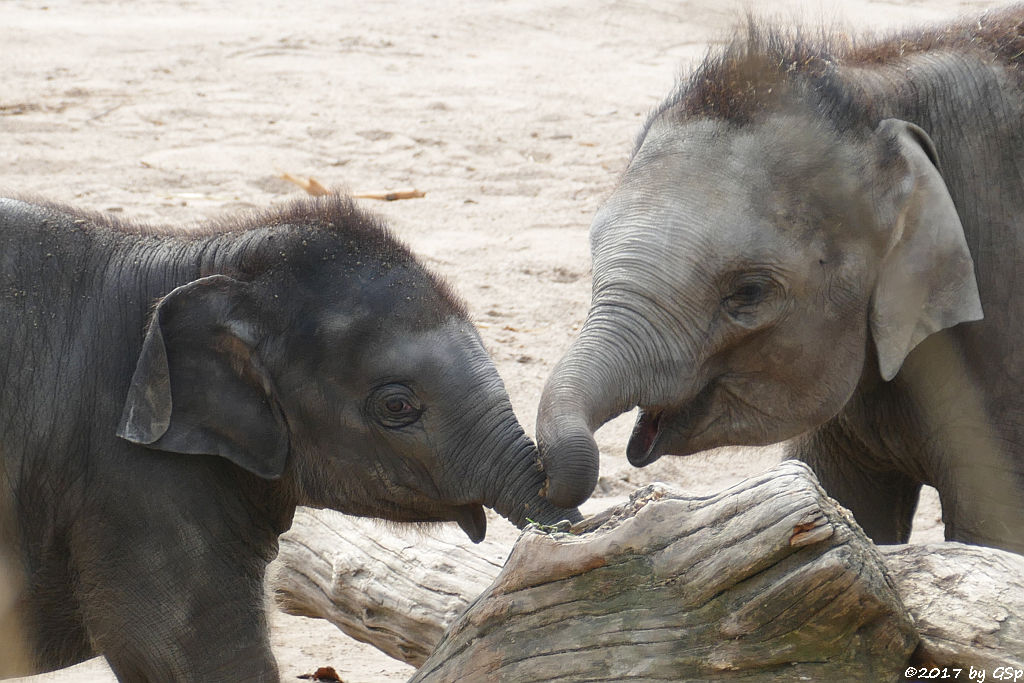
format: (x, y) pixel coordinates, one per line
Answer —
(747, 294)
(750, 293)
(394, 406)
(397, 406)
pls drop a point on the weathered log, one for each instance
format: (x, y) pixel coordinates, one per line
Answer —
(769, 579)
(716, 567)
(968, 603)
(397, 592)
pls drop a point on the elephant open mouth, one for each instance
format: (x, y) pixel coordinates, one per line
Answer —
(470, 517)
(659, 431)
(642, 441)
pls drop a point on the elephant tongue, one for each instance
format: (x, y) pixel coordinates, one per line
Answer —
(473, 521)
(640, 450)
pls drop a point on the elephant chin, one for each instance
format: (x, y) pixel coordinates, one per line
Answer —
(473, 521)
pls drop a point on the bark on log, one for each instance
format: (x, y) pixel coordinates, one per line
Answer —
(725, 575)
(968, 603)
(397, 592)
(768, 580)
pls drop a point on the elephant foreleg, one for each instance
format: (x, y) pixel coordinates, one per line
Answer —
(980, 502)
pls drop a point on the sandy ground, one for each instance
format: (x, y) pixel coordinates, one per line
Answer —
(515, 118)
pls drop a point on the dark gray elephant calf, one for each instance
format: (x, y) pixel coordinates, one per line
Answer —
(305, 347)
(822, 241)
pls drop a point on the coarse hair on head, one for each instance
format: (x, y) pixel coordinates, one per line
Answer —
(297, 235)
(313, 230)
(769, 67)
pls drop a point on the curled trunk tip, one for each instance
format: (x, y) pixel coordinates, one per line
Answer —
(520, 500)
(571, 461)
(592, 383)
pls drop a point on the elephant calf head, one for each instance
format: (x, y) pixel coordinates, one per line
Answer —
(742, 275)
(331, 360)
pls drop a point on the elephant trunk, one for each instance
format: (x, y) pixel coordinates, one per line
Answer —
(518, 497)
(592, 383)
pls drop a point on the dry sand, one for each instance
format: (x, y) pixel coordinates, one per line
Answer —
(514, 117)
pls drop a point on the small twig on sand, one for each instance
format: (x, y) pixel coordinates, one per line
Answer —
(311, 186)
(97, 117)
(392, 195)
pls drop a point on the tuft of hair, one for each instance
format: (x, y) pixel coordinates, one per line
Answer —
(334, 217)
(768, 67)
(312, 229)
(997, 34)
(299, 233)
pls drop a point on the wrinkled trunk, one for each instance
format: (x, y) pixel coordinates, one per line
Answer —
(622, 359)
(592, 383)
(513, 487)
(492, 461)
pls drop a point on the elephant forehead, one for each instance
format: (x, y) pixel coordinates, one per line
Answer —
(452, 350)
(787, 138)
(356, 347)
(713, 221)
(713, 188)
(785, 153)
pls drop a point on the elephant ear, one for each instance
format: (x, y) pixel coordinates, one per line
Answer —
(926, 280)
(199, 387)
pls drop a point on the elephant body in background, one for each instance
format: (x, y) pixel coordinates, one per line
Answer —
(169, 397)
(822, 242)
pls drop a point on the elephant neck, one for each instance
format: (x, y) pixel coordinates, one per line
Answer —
(931, 405)
(269, 505)
(878, 429)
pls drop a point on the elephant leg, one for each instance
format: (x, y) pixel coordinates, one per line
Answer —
(128, 665)
(56, 638)
(981, 505)
(49, 617)
(882, 501)
(174, 639)
(172, 611)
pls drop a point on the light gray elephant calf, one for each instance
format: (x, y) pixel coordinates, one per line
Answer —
(823, 241)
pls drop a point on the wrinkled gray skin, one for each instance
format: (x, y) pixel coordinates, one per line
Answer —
(152, 456)
(819, 269)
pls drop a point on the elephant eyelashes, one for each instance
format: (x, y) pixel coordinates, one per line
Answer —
(747, 296)
(394, 406)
